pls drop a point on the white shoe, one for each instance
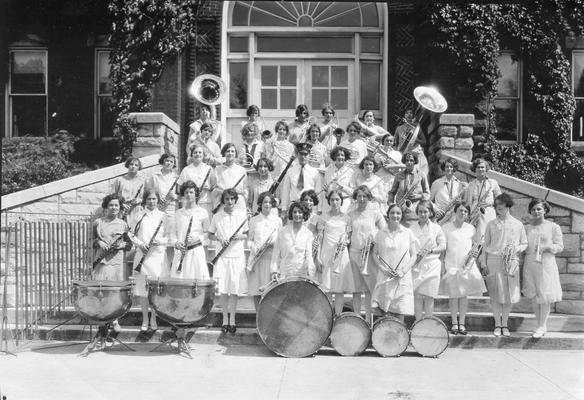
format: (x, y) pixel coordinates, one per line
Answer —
(144, 327)
(116, 326)
(153, 324)
(497, 331)
(538, 334)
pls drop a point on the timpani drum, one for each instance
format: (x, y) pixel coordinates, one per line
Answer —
(351, 334)
(294, 317)
(390, 337)
(102, 301)
(429, 337)
(181, 301)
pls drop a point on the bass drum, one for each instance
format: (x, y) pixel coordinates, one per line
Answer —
(429, 337)
(294, 317)
(351, 334)
(102, 301)
(390, 337)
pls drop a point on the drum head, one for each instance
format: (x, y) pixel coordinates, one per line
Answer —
(350, 335)
(430, 337)
(294, 318)
(390, 337)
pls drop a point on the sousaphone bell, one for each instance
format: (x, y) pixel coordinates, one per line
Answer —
(208, 89)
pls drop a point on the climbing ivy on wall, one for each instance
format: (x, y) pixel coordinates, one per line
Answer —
(473, 35)
(146, 35)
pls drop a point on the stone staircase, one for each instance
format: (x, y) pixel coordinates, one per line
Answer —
(564, 331)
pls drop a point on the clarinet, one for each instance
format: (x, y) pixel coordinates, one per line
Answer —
(203, 185)
(233, 187)
(184, 252)
(163, 202)
(211, 265)
(132, 206)
(275, 185)
(112, 249)
(150, 243)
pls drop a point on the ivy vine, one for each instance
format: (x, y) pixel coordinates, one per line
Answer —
(146, 35)
(473, 35)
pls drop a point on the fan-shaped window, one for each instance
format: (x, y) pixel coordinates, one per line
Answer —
(305, 14)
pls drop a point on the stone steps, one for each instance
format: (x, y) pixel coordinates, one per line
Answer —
(249, 336)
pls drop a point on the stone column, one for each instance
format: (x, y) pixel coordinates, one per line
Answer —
(157, 134)
(451, 134)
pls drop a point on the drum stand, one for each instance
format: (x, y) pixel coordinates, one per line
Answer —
(101, 339)
(182, 347)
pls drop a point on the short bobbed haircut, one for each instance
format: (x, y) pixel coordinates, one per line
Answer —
(339, 149)
(164, 157)
(226, 147)
(147, 194)
(545, 205)
(354, 125)
(111, 197)
(251, 109)
(301, 207)
(229, 192)
(462, 204)
(384, 137)
(428, 204)
(189, 185)
(410, 154)
(363, 189)
(262, 197)
(327, 108)
(266, 161)
(282, 124)
(450, 161)
(310, 194)
(391, 207)
(505, 199)
(477, 161)
(371, 159)
(301, 108)
(332, 193)
(132, 159)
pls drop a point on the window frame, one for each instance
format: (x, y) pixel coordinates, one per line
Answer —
(518, 98)
(579, 144)
(9, 95)
(97, 95)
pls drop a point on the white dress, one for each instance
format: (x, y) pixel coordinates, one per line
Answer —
(393, 294)
(227, 177)
(388, 175)
(458, 282)
(358, 150)
(292, 255)
(131, 189)
(260, 229)
(426, 275)
(541, 279)
(375, 184)
(197, 174)
(155, 264)
(194, 264)
(229, 270)
(489, 188)
(162, 183)
(444, 191)
(340, 179)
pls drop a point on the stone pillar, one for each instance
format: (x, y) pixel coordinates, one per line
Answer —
(157, 134)
(452, 134)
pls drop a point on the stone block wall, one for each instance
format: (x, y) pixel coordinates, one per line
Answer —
(452, 134)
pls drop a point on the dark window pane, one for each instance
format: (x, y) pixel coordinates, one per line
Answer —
(339, 75)
(269, 75)
(238, 44)
(287, 98)
(340, 99)
(370, 45)
(578, 69)
(288, 75)
(240, 14)
(305, 44)
(269, 99)
(370, 16)
(319, 98)
(320, 76)
(103, 71)
(238, 85)
(29, 115)
(106, 117)
(340, 14)
(578, 126)
(370, 84)
(28, 70)
(509, 79)
(506, 119)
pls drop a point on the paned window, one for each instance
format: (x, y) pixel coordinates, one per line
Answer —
(507, 103)
(104, 99)
(578, 88)
(330, 85)
(278, 86)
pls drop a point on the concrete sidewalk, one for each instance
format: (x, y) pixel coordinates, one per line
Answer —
(253, 372)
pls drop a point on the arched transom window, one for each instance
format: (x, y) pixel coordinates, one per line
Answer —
(304, 14)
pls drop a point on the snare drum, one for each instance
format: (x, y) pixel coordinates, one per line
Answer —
(181, 301)
(390, 337)
(351, 334)
(294, 317)
(102, 301)
(430, 337)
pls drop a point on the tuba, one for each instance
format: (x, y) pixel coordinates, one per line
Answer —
(430, 104)
(208, 89)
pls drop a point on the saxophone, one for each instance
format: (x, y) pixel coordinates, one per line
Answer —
(404, 199)
(251, 262)
(479, 209)
(364, 255)
(510, 260)
(449, 209)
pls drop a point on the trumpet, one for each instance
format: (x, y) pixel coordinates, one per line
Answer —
(316, 244)
(510, 260)
(364, 256)
(339, 248)
(251, 262)
(472, 255)
(420, 256)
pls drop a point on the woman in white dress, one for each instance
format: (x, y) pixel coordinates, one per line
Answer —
(505, 238)
(202, 175)
(230, 267)
(263, 232)
(390, 165)
(394, 252)
(355, 144)
(337, 276)
(163, 182)
(150, 260)
(299, 127)
(480, 194)
(207, 116)
(327, 128)
(366, 176)
(338, 176)
(264, 182)
(427, 266)
(309, 199)
(318, 157)
(447, 191)
(365, 223)
(368, 126)
(231, 176)
(131, 188)
(280, 150)
(461, 277)
(253, 117)
(292, 254)
(541, 278)
(191, 225)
